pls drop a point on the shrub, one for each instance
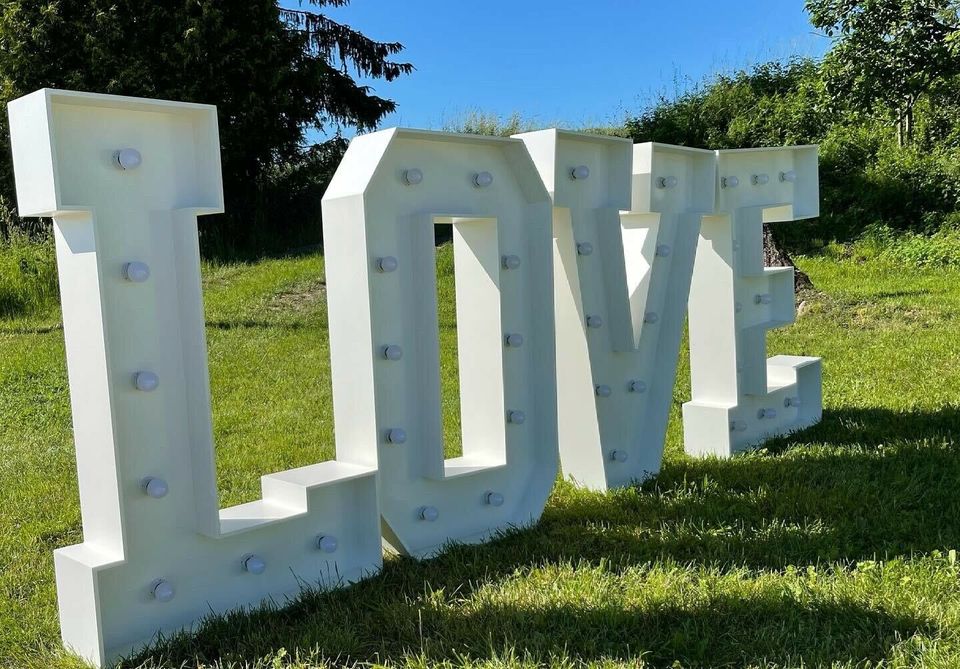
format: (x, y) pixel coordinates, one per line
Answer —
(28, 276)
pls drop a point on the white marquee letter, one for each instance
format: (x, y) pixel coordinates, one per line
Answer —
(124, 180)
(739, 397)
(379, 214)
(620, 285)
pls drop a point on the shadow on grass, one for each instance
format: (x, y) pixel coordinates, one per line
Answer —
(885, 487)
(253, 324)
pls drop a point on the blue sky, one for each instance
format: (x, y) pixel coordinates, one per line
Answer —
(567, 63)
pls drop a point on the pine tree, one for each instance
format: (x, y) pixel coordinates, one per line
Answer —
(275, 74)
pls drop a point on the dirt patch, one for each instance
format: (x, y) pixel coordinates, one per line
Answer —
(300, 297)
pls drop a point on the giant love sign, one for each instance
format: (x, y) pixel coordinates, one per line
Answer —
(574, 258)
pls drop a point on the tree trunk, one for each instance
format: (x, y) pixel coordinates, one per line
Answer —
(908, 120)
(774, 256)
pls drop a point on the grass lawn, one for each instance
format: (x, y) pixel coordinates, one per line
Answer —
(833, 547)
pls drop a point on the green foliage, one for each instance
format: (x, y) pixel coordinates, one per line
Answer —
(888, 54)
(28, 276)
(272, 73)
(771, 105)
(866, 178)
(481, 123)
(867, 181)
(835, 547)
(940, 248)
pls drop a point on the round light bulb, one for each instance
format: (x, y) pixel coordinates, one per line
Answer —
(594, 321)
(667, 182)
(584, 248)
(730, 182)
(637, 387)
(127, 159)
(413, 176)
(603, 390)
(663, 250)
(327, 543)
(651, 317)
(254, 564)
(162, 590)
(387, 264)
(514, 340)
(392, 352)
(789, 176)
(146, 381)
(580, 172)
(511, 262)
(738, 426)
(397, 435)
(767, 413)
(154, 487)
(760, 179)
(135, 271)
(791, 402)
(482, 179)
(493, 498)
(619, 456)
(428, 513)
(765, 298)
(517, 417)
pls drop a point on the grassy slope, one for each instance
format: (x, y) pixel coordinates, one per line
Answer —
(831, 548)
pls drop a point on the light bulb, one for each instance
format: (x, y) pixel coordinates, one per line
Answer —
(253, 564)
(730, 182)
(387, 264)
(663, 250)
(127, 159)
(584, 248)
(413, 176)
(510, 262)
(482, 179)
(594, 321)
(651, 317)
(135, 271)
(603, 391)
(619, 456)
(788, 176)
(146, 381)
(580, 172)
(760, 179)
(327, 543)
(428, 513)
(517, 417)
(162, 590)
(514, 340)
(392, 352)
(154, 487)
(637, 387)
(397, 435)
(493, 499)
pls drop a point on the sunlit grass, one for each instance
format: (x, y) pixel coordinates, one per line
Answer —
(829, 548)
